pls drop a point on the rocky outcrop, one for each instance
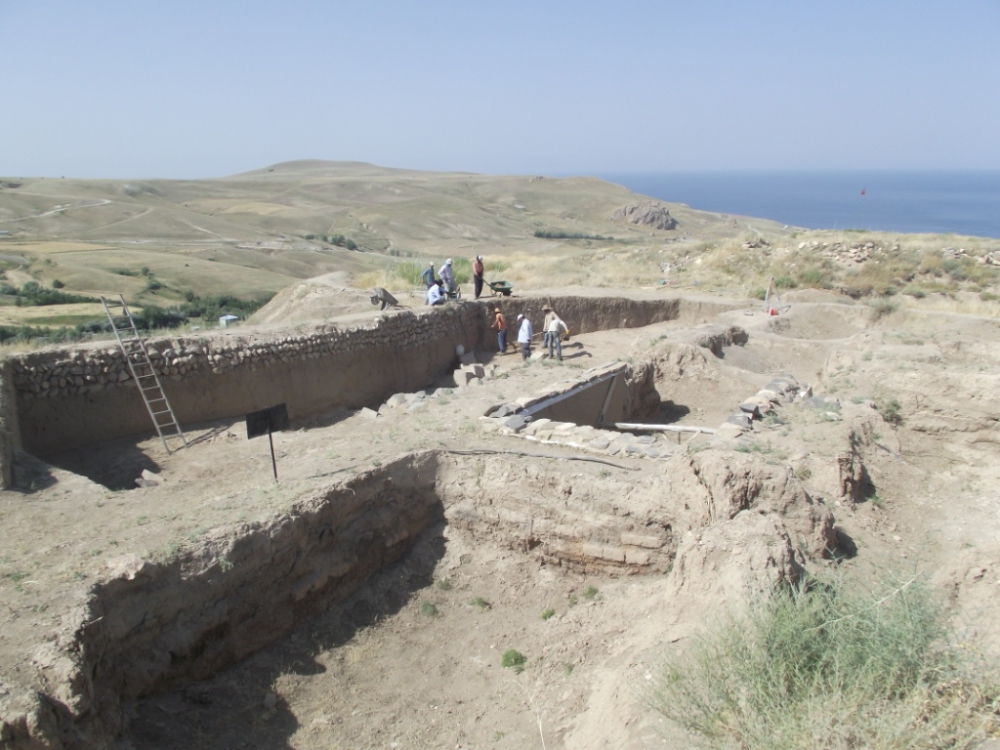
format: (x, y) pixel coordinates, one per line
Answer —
(651, 215)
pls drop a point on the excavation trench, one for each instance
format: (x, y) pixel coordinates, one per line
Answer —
(152, 626)
(65, 399)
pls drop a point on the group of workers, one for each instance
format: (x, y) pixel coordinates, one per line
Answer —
(553, 327)
(440, 290)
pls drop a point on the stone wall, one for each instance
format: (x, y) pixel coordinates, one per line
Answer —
(67, 398)
(10, 433)
(71, 397)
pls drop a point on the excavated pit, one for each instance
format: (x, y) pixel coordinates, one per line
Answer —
(147, 627)
(155, 624)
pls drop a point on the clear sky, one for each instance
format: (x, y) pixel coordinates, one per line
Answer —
(206, 88)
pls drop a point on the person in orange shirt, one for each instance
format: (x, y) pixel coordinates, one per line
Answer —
(500, 323)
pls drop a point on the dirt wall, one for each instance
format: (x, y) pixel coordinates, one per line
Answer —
(588, 314)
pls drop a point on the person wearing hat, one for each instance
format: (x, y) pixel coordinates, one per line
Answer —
(524, 334)
(554, 330)
(500, 323)
(448, 276)
(477, 274)
(428, 276)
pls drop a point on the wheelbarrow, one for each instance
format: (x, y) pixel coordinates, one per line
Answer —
(500, 288)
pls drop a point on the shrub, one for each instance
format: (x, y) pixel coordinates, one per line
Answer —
(891, 411)
(785, 282)
(882, 306)
(832, 664)
(548, 614)
(57, 284)
(428, 609)
(815, 277)
(515, 660)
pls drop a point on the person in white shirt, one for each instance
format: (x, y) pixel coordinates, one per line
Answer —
(434, 294)
(524, 334)
(553, 332)
(448, 276)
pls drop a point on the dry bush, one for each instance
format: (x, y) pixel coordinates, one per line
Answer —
(834, 664)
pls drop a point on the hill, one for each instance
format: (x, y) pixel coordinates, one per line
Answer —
(254, 233)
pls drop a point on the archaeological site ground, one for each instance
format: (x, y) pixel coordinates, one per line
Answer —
(463, 549)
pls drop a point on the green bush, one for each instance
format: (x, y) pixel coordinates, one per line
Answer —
(833, 664)
(785, 282)
(891, 411)
(515, 660)
(556, 234)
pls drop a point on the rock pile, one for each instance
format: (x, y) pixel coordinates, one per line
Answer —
(775, 393)
(647, 215)
(844, 253)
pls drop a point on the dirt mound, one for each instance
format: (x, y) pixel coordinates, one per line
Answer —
(820, 322)
(321, 298)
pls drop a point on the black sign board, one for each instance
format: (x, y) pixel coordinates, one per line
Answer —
(267, 421)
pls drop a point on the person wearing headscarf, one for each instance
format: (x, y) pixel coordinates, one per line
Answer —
(448, 276)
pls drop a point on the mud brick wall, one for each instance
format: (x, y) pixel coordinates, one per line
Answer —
(67, 398)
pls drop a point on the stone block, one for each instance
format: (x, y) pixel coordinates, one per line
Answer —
(536, 424)
(740, 420)
(516, 422)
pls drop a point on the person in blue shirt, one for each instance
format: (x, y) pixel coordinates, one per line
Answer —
(428, 276)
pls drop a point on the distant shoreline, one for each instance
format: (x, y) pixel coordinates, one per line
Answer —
(964, 202)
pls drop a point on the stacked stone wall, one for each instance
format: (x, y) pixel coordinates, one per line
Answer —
(70, 397)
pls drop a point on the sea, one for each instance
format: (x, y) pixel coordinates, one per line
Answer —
(939, 202)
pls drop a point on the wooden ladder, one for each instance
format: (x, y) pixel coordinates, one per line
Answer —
(143, 372)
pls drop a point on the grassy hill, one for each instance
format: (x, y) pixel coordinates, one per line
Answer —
(252, 234)
(255, 233)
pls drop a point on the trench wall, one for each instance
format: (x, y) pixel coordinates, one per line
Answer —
(589, 314)
(73, 397)
(155, 626)
(60, 399)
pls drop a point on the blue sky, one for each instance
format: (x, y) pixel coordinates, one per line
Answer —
(186, 89)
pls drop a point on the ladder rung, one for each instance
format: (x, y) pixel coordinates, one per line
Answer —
(132, 346)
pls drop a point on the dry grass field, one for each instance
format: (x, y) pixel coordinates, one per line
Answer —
(252, 234)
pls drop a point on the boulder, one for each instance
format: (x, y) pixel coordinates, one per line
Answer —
(651, 215)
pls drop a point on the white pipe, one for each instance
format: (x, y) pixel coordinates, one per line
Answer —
(663, 427)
